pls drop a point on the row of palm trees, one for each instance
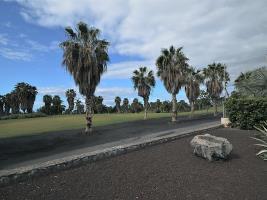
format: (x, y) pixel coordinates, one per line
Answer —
(175, 73)
(20, 99)
(85, 56)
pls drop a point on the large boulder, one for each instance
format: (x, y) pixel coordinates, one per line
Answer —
(211, 147)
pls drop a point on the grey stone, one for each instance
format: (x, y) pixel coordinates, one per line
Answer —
(211, 147)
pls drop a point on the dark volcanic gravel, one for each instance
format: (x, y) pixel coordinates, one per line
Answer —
(166, 171)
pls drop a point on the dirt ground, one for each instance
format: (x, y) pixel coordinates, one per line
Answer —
(166, 171)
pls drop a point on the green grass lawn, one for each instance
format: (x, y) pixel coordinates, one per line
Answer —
(23, 127)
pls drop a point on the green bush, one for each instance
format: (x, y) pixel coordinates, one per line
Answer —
(23, 116)
(246, 112)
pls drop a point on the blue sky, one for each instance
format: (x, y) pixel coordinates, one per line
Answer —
(232, 32)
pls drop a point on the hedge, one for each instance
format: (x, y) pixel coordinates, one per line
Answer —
(246, 112)
(23, 116)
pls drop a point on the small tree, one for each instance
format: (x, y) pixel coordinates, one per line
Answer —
(118, 104)
(70, 94)
(192, 87)
(215, 75)
(125, 105)
(143, 81)
(47, 99)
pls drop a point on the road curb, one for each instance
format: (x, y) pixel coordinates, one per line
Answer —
(23, 173)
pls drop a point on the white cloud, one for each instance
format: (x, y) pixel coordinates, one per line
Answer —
(13, 54)
(52, 90)
(123, 70)
(23, 48)
(3, 39)
(233, 32)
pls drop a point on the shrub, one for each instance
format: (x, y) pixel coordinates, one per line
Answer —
(23, 116)
(246, 112)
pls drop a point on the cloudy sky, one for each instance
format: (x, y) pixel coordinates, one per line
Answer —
(231, 31)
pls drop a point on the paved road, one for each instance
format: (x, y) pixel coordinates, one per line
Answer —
(21, 152)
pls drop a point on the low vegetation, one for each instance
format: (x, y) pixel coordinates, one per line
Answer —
(247, 106)
(246, 112)
(262, 138)
(23, 116)
(24, 127)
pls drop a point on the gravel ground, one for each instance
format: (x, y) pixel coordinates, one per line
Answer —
(166, 171)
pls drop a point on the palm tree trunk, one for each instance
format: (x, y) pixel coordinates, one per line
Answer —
(145, 105)
(89, 114)
(192, 108)
(215, 109)
(174, 108)
(118, 108)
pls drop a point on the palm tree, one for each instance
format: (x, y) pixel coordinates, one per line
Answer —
(135, 105)
(125, 104)
(26, 94)
(253, 83)
(70, 94)
(172, 66)
(57, 106)
(14, 102)
(158, 105)
(79, 106)
(85, 57)
(47, 99)
(118, 104)
(98, 104)
(22, 91)
(215, 75)
(143, 81)
(32, 92)
(2, 102)
(7, 99)
(192, 87)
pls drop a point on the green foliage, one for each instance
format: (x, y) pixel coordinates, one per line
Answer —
(23, 116)
(252, 83)
(263, 141)
(246, 112)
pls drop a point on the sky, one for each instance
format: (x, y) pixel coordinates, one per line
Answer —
(233, 32)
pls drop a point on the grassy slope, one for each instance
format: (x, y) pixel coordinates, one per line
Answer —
(20, 127)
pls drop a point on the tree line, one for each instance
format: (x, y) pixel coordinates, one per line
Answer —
(85, 56)
(20, 99)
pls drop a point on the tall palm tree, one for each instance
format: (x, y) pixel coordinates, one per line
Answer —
(215, 75)
(172, 67)
(47, 99)
(192, 87)
(143, 81)
(125, 104)
(118, 104)
(70, 94)
(85, 57)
